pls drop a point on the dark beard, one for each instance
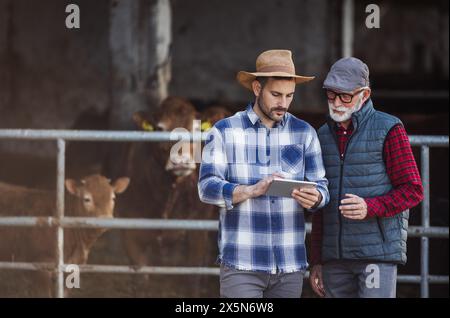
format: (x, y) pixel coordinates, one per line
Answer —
(262, 108)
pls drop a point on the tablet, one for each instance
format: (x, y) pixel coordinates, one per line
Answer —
(283, 187)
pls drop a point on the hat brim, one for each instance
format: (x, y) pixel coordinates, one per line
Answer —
(246, 78)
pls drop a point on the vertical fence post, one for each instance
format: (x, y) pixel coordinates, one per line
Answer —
(424, 243)
(60, 176)
(348, 28)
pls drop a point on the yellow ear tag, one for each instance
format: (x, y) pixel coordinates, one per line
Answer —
(147, 126)
(206, 125)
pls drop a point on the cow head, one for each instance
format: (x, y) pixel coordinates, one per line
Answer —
(212, 115)
(174, 112)
(96, 194)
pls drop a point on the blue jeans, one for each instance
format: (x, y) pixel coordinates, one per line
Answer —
(359, 279)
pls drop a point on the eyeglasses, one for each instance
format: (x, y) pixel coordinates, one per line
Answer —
(344, 97)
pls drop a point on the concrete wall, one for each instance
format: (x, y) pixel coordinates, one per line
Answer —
(412, 41)
(50, 74)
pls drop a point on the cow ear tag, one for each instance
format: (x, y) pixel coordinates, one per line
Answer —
(206, 125)
(147, 126)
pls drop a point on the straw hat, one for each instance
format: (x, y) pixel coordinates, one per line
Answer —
(272, 63)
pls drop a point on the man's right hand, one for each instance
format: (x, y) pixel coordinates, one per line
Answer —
(262, 186)
(244, 192)
(316, 281)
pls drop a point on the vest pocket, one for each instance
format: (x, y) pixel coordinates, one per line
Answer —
(381, 228)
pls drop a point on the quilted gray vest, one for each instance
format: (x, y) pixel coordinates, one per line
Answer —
(362, 172)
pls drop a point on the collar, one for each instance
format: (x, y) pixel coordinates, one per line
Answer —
(338, 126)
(363, 114)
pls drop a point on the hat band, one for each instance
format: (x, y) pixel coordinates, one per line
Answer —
(277, 68)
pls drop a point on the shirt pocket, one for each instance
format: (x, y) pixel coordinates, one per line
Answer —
(292, 159)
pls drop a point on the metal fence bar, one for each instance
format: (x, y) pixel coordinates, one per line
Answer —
(96, 135)
(28, 266)
(165, 224)
(348, 29)
(432, 231)
(168, 270)
(156, 136)
(175, 270)
(60, 173)
(416, 279)
(432, 141)
(424, 244)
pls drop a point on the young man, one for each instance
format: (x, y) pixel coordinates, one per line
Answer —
(360, 237)
(261, 238)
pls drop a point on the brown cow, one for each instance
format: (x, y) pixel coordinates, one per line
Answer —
(163, 188)
(94, 196)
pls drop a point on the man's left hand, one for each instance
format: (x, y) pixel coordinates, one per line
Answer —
(353, 207)
(307, 197)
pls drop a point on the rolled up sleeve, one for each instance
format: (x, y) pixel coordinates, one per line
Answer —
(212, 185)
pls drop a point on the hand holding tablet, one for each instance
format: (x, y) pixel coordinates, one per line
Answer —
(283, 187)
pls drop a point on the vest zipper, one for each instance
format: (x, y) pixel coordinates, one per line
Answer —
(342, 159)
(339, 200)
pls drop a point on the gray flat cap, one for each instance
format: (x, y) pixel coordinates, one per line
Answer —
(347, 74)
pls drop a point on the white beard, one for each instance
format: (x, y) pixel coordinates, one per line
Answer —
(347, 112)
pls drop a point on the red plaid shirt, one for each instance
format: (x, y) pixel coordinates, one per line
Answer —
(401, 167)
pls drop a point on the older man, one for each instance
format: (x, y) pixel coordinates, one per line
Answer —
(360, 237)
(261, 237)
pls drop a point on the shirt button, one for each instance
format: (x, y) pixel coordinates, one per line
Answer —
(345, 133)
(273, 201)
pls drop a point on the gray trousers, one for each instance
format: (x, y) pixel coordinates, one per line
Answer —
(357, 279)
(245, 284)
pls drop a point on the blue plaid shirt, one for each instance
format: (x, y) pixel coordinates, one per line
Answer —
(265, 234)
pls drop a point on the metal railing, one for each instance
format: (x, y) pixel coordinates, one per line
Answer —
(425, 231)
